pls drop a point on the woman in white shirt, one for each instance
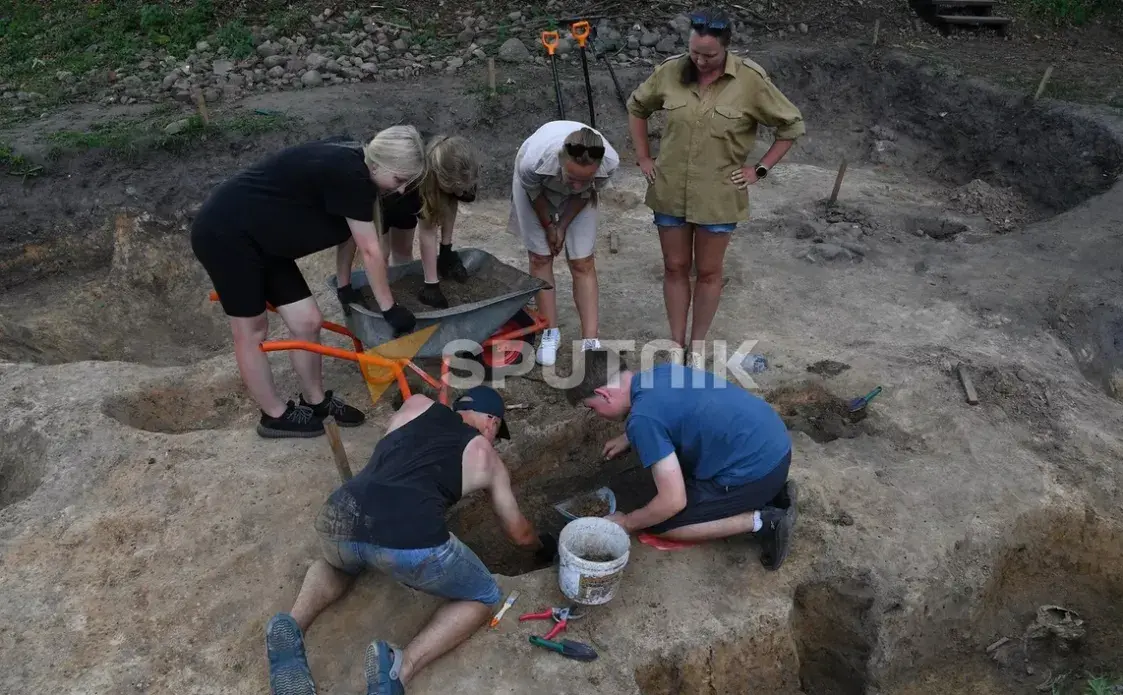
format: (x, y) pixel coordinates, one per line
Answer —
(553, 207)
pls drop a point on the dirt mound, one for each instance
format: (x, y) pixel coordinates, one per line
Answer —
(22, 464)
(811, 409)
(1002, 207)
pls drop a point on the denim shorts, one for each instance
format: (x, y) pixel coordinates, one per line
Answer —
(662, 220)
(450, 570)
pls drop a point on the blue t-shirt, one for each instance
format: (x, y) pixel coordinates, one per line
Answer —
(720, 431)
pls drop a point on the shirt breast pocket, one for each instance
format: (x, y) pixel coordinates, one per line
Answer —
(677, 113)
(731, 122)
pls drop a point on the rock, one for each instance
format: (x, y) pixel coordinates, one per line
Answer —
(803, 28)
(666, 44)
(513, 51)
(276, 72)
(437, 65)
(268, 49)
(333, 67)
(633, 42)
(212, 95)
(401, 45)
(315, 61)
(479, 54)
(64, 76)
(177, 127)
(311, 78)
(132, 82)
(649, 39)
(515, 16)
(274, 61)
(202, 46)
(482, 24)
(222, 67)
(466, 37)
(826, 252)
(455, 63)
(170, 80)
(807, 230)
(680, 24)
(295, 66)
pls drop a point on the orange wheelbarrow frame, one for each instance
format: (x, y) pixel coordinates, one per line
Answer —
(396, 365)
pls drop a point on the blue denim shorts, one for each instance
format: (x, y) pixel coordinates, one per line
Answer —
(662, 220)
(450, 570)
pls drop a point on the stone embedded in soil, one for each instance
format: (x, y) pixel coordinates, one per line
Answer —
(513, 51)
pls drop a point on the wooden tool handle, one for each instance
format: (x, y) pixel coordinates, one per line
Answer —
(337, 450)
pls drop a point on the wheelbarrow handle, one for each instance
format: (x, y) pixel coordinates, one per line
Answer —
(550, 41)
(580, 31)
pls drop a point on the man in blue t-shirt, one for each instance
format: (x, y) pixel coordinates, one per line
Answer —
(719, 454)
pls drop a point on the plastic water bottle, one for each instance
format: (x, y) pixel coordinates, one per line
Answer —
(754, 363)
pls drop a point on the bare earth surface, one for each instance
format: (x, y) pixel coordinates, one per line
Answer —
(147, 534)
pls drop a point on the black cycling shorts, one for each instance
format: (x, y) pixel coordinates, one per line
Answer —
(401, 211)
(708, 501)
(245, 277)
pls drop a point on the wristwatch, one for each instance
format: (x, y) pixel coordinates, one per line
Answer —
(761, 171)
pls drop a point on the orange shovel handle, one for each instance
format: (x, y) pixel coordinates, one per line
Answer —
(550, 41)
(580, 31)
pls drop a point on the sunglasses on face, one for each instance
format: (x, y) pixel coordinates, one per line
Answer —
(576, 150)
(701, 23)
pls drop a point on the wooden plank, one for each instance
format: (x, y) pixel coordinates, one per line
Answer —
(838, 183)
(613, 242)
(968, 385)
(1044, 81)
(967, 19)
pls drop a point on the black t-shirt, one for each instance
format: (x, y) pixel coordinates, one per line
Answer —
(296, 202)
(415, 474)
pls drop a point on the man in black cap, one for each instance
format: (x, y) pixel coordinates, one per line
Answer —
(391, 517)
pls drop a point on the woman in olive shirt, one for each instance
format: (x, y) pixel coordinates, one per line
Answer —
(697, 186)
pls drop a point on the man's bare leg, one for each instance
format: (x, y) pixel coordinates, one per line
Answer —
(713, 530)
(323, 585)
(451, 624)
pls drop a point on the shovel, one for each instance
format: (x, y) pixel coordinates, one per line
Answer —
(550, 41)
(580, 31)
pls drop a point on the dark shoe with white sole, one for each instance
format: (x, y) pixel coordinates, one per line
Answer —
(288, 666)
(383, 663)
(297, 421)
(778, 522)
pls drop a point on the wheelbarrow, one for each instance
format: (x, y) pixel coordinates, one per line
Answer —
(493, 323)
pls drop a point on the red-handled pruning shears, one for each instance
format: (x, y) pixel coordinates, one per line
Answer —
(560, 616)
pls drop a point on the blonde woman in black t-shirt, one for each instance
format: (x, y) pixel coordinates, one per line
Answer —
(256, 224)
(453, 174)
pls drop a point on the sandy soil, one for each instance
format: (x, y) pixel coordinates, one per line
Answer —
(148, 533)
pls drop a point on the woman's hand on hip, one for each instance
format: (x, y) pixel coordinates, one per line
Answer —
(647, 166)
(744, 177)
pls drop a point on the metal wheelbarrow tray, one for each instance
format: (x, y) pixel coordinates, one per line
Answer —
(474, 322)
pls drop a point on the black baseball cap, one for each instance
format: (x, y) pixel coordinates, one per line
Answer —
(484, 399)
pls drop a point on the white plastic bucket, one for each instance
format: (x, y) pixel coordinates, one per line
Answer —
(591, 582)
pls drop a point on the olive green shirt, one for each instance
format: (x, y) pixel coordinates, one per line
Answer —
(709, 134)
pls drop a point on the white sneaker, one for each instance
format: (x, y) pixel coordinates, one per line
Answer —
(548, 347)
(695, 361)
(590, 344)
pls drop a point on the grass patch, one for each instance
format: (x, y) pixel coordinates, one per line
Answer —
(15, 164)
(132, 138)
(1069, 684)
(1072, 12)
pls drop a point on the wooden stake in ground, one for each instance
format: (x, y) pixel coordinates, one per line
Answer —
(1044, 81)
(491, 75)
(838, 182)
(613, 242)
(876, 30)
(337, 450)
(968, 385)
(201, 104)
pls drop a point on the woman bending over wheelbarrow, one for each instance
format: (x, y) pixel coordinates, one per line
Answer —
(553, 207)
(255, 225)
(452, 176)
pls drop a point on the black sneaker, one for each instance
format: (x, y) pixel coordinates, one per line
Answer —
(778, 522)
(296, 421)
(345, 415)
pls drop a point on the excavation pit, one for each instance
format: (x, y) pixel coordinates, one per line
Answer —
(185, 404)
(22, 465)
(811, 409)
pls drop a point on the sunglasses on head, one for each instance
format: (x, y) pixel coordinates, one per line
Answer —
(699, 22)
(576, 150)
